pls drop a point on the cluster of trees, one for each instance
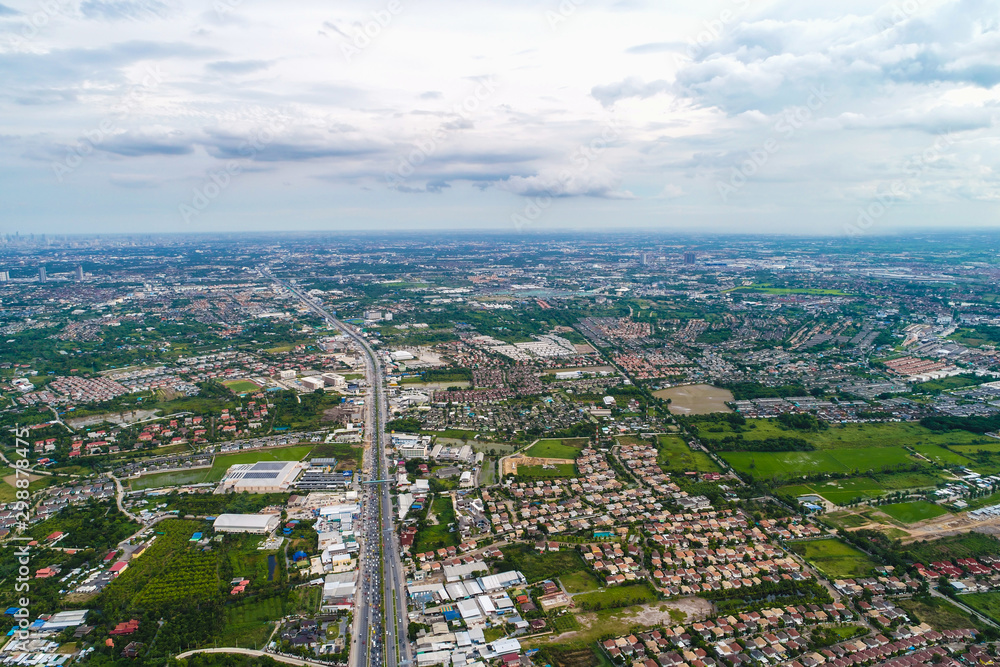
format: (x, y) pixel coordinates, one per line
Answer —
(802, 421)
(975, 424)
(98, 525)
(768, 594)
(404, 425)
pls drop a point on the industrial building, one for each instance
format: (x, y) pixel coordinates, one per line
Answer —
(322, 474)
(261, 477)
(257, 524)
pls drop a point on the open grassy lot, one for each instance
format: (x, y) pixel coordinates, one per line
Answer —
(554, 448)
(546, 472)
(437, 536)
(220, 466)
(968, 545)
(616, 597)
(784, 465)
(579, 582)
(942, 456)
(985, 603)
(913, 511)
(992, 446)
(537, 566)
(845, 519)
(939, 614)
(675, 455)
(848, 436)
(838, 491)
(241, 386)
(834, 558)
(576, 655)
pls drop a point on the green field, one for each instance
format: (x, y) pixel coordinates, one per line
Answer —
(847, 436)
(987, 604)
(838, 491)
(834, 558)
(845, 519)
(764, 289)
(991, 446)
(537, 566)
(241, 386)
(786, 465)
(220, 466)
(540, 472)
(579, 582)
(675, 455)
(616, 597)
(942, 456)
(552, 448)
(969, 545)
(913, 511)
(433, 536)
(937, 613)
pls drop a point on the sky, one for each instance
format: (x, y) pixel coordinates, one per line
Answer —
(848, 118)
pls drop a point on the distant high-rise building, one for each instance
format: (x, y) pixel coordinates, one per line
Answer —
(689, 257)
(4, 276)
(645, 259)
(79, 274)
(41, 274)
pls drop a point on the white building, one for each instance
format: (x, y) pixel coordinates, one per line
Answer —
(261, 477)
(258, 524)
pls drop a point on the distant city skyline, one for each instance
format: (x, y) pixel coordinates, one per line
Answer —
(853, 119)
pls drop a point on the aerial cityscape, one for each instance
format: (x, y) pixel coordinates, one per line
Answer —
(470, 450)
(555, 333)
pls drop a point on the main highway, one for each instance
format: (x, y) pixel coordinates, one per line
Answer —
(380, 613)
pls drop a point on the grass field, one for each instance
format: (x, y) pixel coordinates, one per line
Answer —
(616, 597)
(553, 448)
(969, 545)
(540, 472)
(992, 446)
(838, 491)
(241, 386)
(938, 613)
(675, 455)
(579, 582)
(942, 456)
(913, 511)
(985, 603)
(834, 558)
(850, 436)
(437, 536)
(220, 466)
(785, 465)
(539, 566)
(845, 519)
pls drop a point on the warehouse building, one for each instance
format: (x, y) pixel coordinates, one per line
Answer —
(261, 477)
(258, 524)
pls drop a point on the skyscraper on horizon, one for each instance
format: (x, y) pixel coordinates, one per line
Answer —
(79, 274)
(41, 274)
(689, 257)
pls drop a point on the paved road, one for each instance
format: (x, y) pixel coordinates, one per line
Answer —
(380, 637)
(249, 651)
